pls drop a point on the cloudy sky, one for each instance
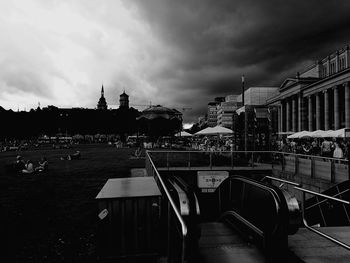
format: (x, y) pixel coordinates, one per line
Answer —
(175, 53)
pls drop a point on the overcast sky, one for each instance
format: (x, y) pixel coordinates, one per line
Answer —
(174, 53)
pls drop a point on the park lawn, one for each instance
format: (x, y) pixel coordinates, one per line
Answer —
(52, 217)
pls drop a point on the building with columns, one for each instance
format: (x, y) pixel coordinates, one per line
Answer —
(318, 98)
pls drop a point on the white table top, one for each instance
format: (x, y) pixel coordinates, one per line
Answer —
(129, 187)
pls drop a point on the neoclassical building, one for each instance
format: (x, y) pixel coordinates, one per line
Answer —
(318, 98)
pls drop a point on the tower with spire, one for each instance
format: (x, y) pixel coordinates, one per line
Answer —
(102, 104)
(124, 101)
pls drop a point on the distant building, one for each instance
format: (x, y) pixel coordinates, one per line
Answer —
(124, 101)
(252, 125)
(102, 104)
(212, 111)
(318, 98)
(226, 109)
(258, 95)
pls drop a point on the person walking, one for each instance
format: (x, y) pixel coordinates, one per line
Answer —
(338, 152)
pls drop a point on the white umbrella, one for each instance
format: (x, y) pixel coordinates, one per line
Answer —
(205, 131)
(214, 130)
(317, 134)
(339, 133)
(183, 134)
(328, 134)
(294, 135)
(298, 135)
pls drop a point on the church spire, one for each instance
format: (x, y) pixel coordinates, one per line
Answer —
(102, 104)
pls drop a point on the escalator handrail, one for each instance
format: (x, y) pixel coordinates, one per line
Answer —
(265, 187)
(243, 220)
(173, 205)
(277, 202)
(304, 191)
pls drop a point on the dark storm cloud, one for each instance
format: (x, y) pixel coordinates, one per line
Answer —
(217, 41)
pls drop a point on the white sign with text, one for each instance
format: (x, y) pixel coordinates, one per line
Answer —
(211, 179)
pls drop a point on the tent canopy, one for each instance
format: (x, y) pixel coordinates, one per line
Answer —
(214, 130)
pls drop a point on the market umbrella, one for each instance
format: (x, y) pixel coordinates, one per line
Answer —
(317, 134)
(214, 131)
(328, 134)
(339, 133)
(183, 134)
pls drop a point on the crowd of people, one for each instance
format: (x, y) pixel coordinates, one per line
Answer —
(27, 167)
(326, 147)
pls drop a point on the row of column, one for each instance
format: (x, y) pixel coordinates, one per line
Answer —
(295, 111)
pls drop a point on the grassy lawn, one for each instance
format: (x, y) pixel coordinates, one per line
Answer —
(52, 217)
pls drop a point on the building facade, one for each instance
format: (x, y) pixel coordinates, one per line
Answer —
(213, 111)
(318, 98)
(226, 109)
(252, 121)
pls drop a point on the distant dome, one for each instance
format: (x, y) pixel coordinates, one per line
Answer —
(159, 111)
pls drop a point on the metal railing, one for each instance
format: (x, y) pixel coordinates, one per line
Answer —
(152, 170)
(305, 191)
(334, 170)
(211, 159)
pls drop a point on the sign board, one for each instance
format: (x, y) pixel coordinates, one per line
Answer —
(208, 181)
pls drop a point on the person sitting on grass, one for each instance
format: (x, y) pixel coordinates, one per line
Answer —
(29, 168)
(73, 156)
(19, 164)
(43, 165)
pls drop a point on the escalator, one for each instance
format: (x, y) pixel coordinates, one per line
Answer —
(253, 223)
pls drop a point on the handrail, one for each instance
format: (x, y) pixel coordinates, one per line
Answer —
(243, 220)
(304, 191)
(280, 180)
(275, 152)
(322, 195)
(321, 202)
(314, 156)
(171, 201)
(279, 152)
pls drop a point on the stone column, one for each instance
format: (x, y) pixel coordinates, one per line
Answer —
(347, 104)
(294, 114)
(336, 109)
(318, 111)
(287, 115)
(279, 119)
(300, 112)
(310, 113)
(326, 110)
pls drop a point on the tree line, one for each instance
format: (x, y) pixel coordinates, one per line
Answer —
(52, 120)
